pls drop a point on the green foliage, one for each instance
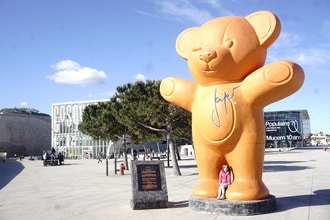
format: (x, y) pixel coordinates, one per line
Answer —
(138, 110)
(99, 122)
(146, 114)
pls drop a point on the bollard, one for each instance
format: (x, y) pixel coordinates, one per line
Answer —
(115, 165)
(107, 167)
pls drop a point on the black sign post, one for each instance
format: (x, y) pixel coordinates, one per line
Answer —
(149, 189)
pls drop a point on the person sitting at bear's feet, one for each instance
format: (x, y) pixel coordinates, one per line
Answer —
(225, 179)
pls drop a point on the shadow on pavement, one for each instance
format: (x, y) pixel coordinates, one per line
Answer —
(318, 198)
(9, 170)
(277, 168)
(64, 164)
(181, 204)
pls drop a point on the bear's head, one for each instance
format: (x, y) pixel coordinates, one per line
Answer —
(227, 49)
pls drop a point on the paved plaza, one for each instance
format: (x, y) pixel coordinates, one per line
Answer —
(80, 189)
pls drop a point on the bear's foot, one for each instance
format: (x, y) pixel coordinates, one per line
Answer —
(206, 188)
(247, 190)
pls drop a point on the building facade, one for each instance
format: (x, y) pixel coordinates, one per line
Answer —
(283, 129)
(24, 132)
(286, 128)
(66, 137)
(319, 138)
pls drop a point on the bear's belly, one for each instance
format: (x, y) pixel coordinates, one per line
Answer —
(214, 117)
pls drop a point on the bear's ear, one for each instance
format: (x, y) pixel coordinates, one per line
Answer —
(267, 26)
(186, 41)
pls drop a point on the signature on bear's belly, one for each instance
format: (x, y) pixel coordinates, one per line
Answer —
(221, 100)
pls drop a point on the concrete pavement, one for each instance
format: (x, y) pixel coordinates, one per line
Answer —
(80, 189)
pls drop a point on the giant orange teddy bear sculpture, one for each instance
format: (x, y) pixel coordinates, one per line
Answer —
(232, 85)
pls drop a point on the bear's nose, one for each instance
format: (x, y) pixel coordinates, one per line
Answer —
(207, 55)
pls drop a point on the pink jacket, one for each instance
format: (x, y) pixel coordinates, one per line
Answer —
(224, 177)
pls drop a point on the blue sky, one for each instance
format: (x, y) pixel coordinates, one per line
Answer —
(54, 51)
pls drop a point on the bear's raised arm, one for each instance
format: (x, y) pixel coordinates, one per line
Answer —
(178, 91)
(272, 82)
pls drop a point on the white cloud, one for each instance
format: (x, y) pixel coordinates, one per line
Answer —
(212, 3)
(292, 47)
(66, 65)
(287, 39)
(313, 57)
(187, 10)
(101, 95)
(71, 72)
(219, 8)
(140, 77)
(24, 103)
(183, 9)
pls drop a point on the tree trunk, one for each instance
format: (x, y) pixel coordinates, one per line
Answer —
(177, 152)
(168, 152)
(125, 153)
(170, 142)
(159, 154)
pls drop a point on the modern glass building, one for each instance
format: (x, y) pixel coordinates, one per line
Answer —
(67, 139)
(286, 128)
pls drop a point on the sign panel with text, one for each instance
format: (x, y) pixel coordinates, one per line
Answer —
(149, 190)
